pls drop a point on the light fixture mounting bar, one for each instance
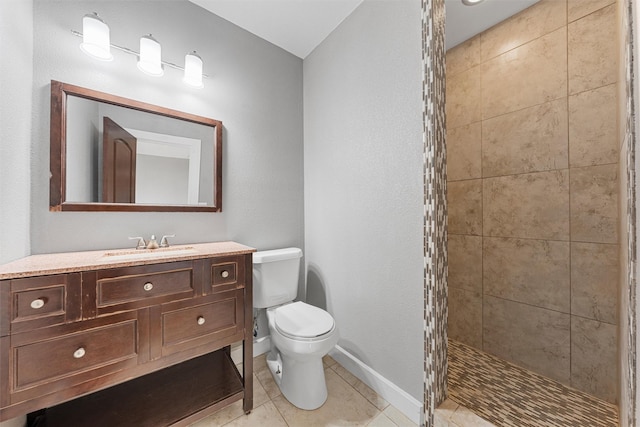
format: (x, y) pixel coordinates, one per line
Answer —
(133, 52)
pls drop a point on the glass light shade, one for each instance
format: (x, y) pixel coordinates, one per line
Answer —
(95, 38)
(471, 2)
(193, 70)
(149, 60)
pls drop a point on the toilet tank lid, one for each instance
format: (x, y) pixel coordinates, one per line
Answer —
(276, 255)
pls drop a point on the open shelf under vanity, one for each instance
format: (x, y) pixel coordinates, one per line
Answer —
(175, 396)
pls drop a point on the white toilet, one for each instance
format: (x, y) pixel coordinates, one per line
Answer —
(301, 334)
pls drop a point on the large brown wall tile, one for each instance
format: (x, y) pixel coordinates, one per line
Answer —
(465, 262)
(465, 317)
(465, 207)
(463, 56)
(536, 21)
(594, 364)
(464, 152)
(593, 138)
(529, 140)
(594, 204)
(579, 8)
(534, 205)
(594, 281)
(532, 337)
(535, 272)
(463, 98)
(528, 75)
(593, 51)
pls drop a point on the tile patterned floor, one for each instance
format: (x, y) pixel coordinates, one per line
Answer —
(452, 414)
(508, 395)
(484, 392)
(350, 403)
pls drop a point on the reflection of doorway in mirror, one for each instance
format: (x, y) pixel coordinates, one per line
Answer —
(168, 169)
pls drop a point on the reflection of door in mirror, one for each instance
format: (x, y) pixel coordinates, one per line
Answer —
(118, 164)
(167, 168)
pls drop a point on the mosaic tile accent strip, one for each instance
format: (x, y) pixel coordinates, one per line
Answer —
(508, 395)
(629, 370)
(435, 209)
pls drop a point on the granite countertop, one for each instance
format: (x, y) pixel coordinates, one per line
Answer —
(69, 262)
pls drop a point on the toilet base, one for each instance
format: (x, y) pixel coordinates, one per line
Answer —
(301, 382)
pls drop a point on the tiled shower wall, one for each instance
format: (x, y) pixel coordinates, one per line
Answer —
(435, 207)
(533, 192)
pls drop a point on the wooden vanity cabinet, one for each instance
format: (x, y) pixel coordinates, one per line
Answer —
(82, 343)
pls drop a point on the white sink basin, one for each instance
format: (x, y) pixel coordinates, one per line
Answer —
(136, 254)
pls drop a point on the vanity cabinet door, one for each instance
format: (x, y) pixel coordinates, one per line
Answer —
(37, 302)
(130, 288)
(210, 322)
(226, 273)
(52, 359)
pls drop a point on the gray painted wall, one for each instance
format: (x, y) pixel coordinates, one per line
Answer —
(255, 89)
(363, 153)
(82, 150)
(364, 184)
(16, 45)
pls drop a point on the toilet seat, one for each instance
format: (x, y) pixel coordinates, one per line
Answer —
(302, 321)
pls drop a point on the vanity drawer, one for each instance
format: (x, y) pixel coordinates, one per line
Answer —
(138, 287)
(47, 361)
(45, 301)
(211, 319)
(226, 274)
(39, 302)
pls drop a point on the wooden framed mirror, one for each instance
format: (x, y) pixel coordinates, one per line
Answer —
(110, 153)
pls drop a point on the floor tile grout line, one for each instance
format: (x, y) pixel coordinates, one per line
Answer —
(358, 391)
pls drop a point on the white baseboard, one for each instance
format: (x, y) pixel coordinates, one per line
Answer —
(400, 399)
(261, 345)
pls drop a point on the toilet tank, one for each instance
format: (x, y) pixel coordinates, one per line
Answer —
(275, 276)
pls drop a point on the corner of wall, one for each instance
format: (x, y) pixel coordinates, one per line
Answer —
(398, 398)
(16, 42)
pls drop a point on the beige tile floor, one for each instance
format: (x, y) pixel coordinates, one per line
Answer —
(350, 403)
(450, 414)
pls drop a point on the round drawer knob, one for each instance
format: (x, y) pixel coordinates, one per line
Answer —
(148, 286)
(201, 320)
(37, 303)
(224, 274)
(79, 353)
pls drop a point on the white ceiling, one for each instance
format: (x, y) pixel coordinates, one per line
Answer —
(463, 22)
(298, 26)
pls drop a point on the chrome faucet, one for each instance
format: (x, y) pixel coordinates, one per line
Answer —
(164, 242)
(141, 244)
(153, 244)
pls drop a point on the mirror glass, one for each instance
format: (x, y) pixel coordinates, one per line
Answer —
(120, 154)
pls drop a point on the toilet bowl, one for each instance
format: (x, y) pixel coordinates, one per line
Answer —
(298, 345)
(301, 334)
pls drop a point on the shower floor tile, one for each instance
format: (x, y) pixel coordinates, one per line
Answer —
(508, 395)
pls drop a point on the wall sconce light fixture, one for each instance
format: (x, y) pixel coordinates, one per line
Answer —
(193, 69)
(150, 57)
(96, 43)
(95, 38)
